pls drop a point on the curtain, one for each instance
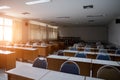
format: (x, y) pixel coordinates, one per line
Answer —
(17, 31)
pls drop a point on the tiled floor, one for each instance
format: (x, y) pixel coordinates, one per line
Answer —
(3, 75)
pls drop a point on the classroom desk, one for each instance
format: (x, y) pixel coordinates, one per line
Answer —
(54, 75)
(7, 60)
(55, 46)
(96, 64)
(61, 45)
(117, 57)
(84, 65)
(23, 53)
(50, 48)
(43, 50)
(114, 57)
(55, 62)
(26, 53)
(92, 55)
(69, 52)
(91, 78)
(91, 49)
(96, 50)
(30, 54)
(72, 53)
(26, 72)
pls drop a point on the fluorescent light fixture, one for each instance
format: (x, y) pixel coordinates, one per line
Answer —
(4, 7)
(37, 1)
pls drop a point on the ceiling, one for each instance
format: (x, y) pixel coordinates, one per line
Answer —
(65, 12)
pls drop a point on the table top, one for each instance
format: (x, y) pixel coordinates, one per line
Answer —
(105, 62)
(54, 75)
(86, 60)
(70, 51)
(28, 72)
(5, 52)
(58, 57)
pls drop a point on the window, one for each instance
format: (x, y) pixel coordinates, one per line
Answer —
(5, 29)
(38, 32)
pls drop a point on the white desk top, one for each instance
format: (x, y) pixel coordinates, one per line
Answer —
(110, 54)
(87, 52)
(70, 51)
(53, 75)
(86, 60)
(105, 62)
(5, 52)
(26, 48)
(58, 57)
(91, 78)
(29, 72)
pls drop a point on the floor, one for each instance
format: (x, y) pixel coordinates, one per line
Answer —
(3, 75)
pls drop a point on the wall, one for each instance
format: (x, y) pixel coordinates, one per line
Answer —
(88, 33)
(25, 31)
(114, 33)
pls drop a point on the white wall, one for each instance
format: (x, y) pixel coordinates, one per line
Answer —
(88, 33)
(114, 33)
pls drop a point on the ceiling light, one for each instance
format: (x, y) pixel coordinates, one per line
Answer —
(88, 7)
(37, 1)
(4, 7)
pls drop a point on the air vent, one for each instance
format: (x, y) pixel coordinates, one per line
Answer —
(64, 17)
(88, 7)
(25, 13)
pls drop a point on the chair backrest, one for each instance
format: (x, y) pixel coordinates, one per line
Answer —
(103, 57)
(40, 63)
(100, 47)
(87, 49)
(102, 51)
(70, 67)
(73, 48)
(117, 51)
(81, 55)
(88, 46)
(108, 72)
(60, 53)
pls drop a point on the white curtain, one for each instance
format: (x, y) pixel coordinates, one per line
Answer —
(17, 31)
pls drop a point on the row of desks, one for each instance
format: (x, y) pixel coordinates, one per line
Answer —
(31, 73)
(42, 50)
(9, 54)
(96, 50)
(93, 55)
(86, 65)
